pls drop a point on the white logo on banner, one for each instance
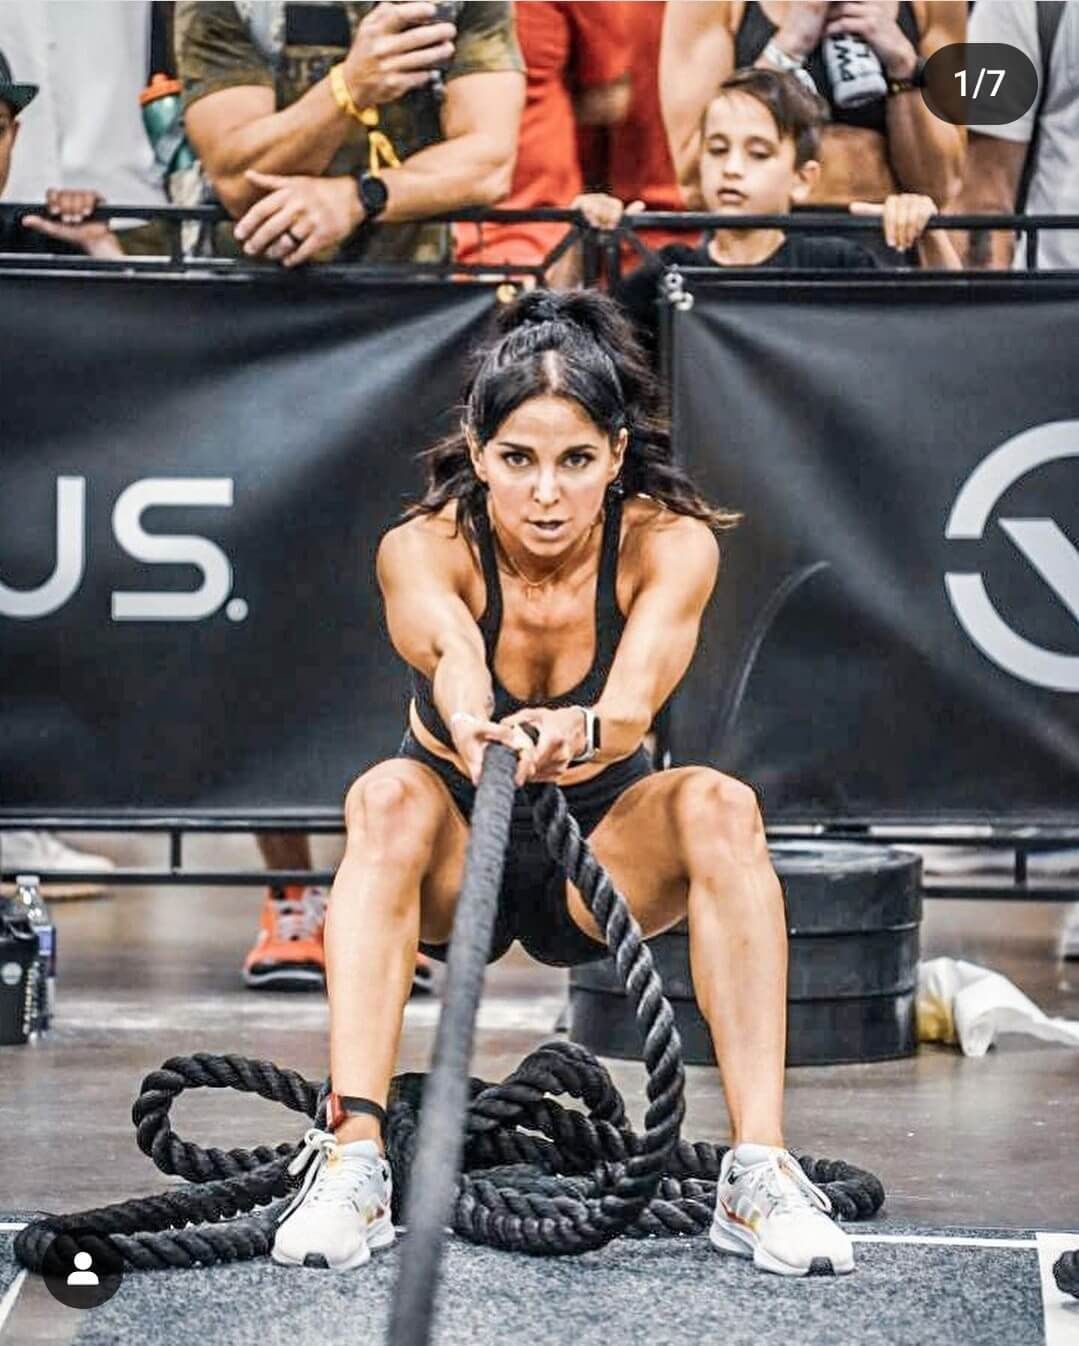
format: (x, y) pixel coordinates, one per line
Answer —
(1041, 541)
(153, 548)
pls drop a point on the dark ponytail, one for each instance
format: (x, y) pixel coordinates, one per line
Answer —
(579, 345)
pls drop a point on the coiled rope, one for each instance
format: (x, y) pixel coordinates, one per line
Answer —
(538, 1177)
(1066, 1273)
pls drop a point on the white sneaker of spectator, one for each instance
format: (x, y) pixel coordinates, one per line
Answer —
(1069, 933)
(26, 852)
(999, 861)
(982, 860)
(1062, 862)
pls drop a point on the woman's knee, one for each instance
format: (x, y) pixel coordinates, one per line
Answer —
(721, 817)
(389, 816)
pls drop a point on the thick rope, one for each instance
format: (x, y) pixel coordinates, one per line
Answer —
(1066, 1273)
(537, 1177)
(441, 1135)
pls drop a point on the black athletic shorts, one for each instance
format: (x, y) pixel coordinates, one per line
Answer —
(532, 901)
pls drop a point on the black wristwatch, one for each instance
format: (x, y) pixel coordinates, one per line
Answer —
(916, 80)
(374, 195)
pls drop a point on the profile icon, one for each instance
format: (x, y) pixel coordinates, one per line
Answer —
(82, 1268)
(82, 1275)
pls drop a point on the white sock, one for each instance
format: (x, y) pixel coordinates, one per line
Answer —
(746, 1155)
(366, 1149)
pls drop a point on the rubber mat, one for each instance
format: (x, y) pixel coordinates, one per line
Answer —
(662, 1292)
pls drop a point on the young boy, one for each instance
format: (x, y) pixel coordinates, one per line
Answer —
(67, 210)
(759, 146)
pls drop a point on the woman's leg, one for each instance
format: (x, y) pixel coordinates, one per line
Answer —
(691, 842)
(398, 881)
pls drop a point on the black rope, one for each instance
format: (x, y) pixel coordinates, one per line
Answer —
(538, 1177)
(437, 1154)
(1066, 1273)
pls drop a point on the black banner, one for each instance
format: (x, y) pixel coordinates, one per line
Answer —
(895, 635)
(194, 477)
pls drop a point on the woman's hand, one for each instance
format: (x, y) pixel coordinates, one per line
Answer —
(803, 28)
(471, 735)
(877, 22)
(299, 216)
(561, 738)
(603, 211)
(903, 217)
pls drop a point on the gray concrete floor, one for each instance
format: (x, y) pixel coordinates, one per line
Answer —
(147, 973)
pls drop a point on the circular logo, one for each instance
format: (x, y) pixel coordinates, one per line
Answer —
(979, 83)
(82, 1269)
(11, 974)
(1042, 543)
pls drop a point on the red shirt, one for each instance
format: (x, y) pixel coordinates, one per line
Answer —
(639, 165)
(566, 46)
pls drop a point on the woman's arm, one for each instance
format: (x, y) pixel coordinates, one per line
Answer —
(429, 622)
(696, 54)
(993, 172)
(679, 562)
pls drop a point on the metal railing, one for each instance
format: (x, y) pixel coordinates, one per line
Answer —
(600, 250)
(595, 243)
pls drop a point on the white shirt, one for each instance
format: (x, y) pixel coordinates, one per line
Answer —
(84, 128)
(1054, 188)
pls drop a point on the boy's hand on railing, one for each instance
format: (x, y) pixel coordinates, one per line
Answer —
(67, 211)
(903, 217)
(602, 211)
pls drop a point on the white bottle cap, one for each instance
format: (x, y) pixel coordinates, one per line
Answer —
(27, 881)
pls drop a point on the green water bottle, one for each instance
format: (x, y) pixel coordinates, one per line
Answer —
(162, 115)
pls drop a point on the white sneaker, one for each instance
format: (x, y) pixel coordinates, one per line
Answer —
(342, 1210)
(947, 861)
(767, 1209)
(43, 852)
(1062, 863)
(1069, 933)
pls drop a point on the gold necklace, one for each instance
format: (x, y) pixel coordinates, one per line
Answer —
(533, 588)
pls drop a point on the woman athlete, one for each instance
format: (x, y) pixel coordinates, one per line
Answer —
(554, 574)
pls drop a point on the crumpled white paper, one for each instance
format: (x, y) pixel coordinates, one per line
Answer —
(962, 1003)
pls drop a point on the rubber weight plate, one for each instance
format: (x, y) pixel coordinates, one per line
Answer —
(853, 915)
(819, 1032)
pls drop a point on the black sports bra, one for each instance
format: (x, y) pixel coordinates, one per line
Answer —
(755, 32)
(610, 624)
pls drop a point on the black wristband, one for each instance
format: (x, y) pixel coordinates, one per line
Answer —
(340, 1106)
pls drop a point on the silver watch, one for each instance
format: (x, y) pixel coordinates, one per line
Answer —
(790, 65)
(591, 736)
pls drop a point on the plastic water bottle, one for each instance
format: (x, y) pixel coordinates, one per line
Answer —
(854, 70)
(28, 897)
(163, 119)
(18, 974)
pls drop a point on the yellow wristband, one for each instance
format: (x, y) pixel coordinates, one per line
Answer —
(367, 116)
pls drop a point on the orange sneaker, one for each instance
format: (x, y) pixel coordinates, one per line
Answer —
(288, 954)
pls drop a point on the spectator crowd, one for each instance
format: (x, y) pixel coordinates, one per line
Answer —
(341, 131)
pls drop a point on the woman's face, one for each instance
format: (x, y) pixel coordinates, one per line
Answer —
(547, 467)
(747, 168)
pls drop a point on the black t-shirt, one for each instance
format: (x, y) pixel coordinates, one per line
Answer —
(797, 252)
